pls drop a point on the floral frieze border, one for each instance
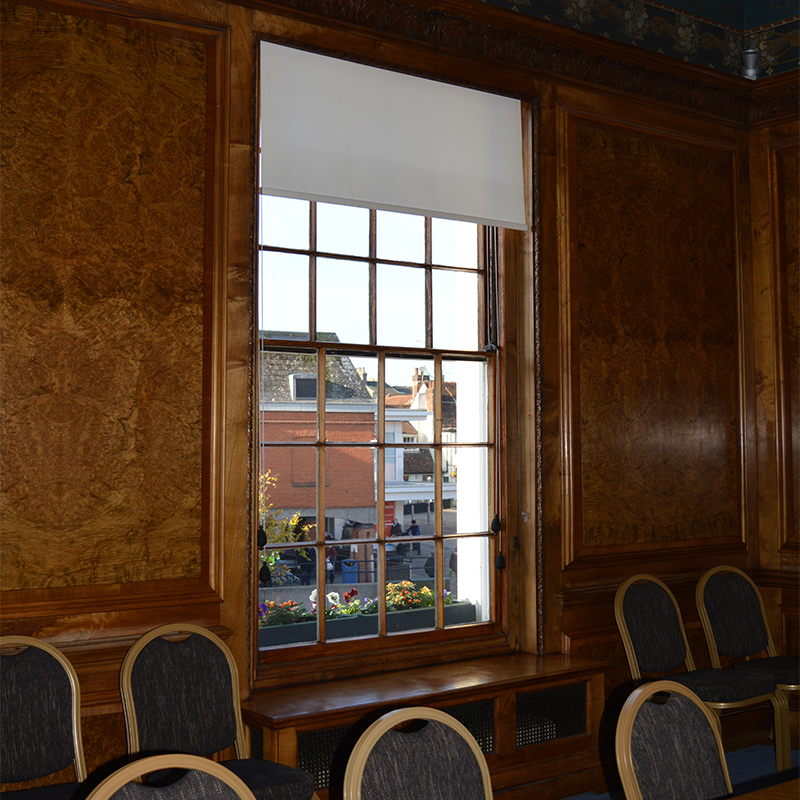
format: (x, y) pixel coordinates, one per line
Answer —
(654, 26)
(459, 34)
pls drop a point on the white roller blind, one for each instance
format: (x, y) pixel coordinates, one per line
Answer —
(346, 133)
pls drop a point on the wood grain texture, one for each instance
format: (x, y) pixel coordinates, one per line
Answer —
(788, 163)
(104, 148)
(657, 316)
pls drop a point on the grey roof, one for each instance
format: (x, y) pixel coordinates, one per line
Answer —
(342, 382)
(418, 463)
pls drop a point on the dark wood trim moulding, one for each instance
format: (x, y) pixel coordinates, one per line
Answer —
(273, 673)
(681, 585)
(777, 579)
(655, 552)
(114, 597)
(116, 645)
(548, 49)
(775, 98)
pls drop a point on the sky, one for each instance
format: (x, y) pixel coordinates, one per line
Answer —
(343, 285)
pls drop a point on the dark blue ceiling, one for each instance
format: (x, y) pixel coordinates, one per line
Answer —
(708, 32)
(741, 14)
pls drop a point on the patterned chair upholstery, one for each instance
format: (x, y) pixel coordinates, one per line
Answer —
(668, 747)
(183, 697)
(204, 780)
(40, 711)
(438, 761)
(652, 632)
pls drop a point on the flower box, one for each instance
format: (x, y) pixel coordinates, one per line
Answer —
(364, 625)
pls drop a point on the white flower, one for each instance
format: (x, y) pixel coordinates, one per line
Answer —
(332, 598)
(313, 596)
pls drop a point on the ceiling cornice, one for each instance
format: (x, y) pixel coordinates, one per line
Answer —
(541, 49)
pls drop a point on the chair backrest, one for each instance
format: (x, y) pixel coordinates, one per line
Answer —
(181, 696)
(668, 747)
(439, 761)
(650, 625)
(205, 780)
(732, 613)
(40, 708)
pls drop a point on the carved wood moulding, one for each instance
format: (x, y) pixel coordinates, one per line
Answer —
(526, 50)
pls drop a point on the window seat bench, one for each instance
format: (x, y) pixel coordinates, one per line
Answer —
(535, 717)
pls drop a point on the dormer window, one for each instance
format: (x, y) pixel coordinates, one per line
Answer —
(303, 386)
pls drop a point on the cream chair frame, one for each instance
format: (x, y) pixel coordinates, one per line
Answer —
(133, 772)
(709, 631)
(178, 630)
(785, 689)
(780, 705)
(20, 642)
(354, 772)
(627, 717)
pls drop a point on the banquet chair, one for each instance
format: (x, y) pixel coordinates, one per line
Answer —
(183, 696)
(735, 624)
(438, 761)
(199, 779)
(654, 638)
(40, 709)
(668, 746)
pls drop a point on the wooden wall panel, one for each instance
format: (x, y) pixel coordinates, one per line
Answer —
(104, 147)
(775, 219)
(788, 167)
(127, 280)
(656, 283)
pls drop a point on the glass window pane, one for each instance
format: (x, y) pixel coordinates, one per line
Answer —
(342, 229)
(401, 237)
(351, 405)
(287, 395)
(284, 222)
(350, 522)
(401, 306)
(411, 605)
(287, 499)
(468, 491)
(287, 494)
(455, 310)
(350, 494)
(455, 244)
(402, 373)
(283, 275)
(408, 405)
(465, 401)
(468, 569)
(285, 616)
(342, 301)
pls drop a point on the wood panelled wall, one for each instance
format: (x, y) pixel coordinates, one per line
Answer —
(101, 400)
(651, 319)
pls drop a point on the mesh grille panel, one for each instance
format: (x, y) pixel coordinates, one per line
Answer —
(316, 751)
(478, 719)
(256, 743)
(551, 714)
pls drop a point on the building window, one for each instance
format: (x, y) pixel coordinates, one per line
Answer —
(376, 462)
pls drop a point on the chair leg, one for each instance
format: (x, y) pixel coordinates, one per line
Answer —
(783, 745)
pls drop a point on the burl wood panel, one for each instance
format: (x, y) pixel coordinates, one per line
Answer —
(658, 339)
(789, 166)
(104, 158)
